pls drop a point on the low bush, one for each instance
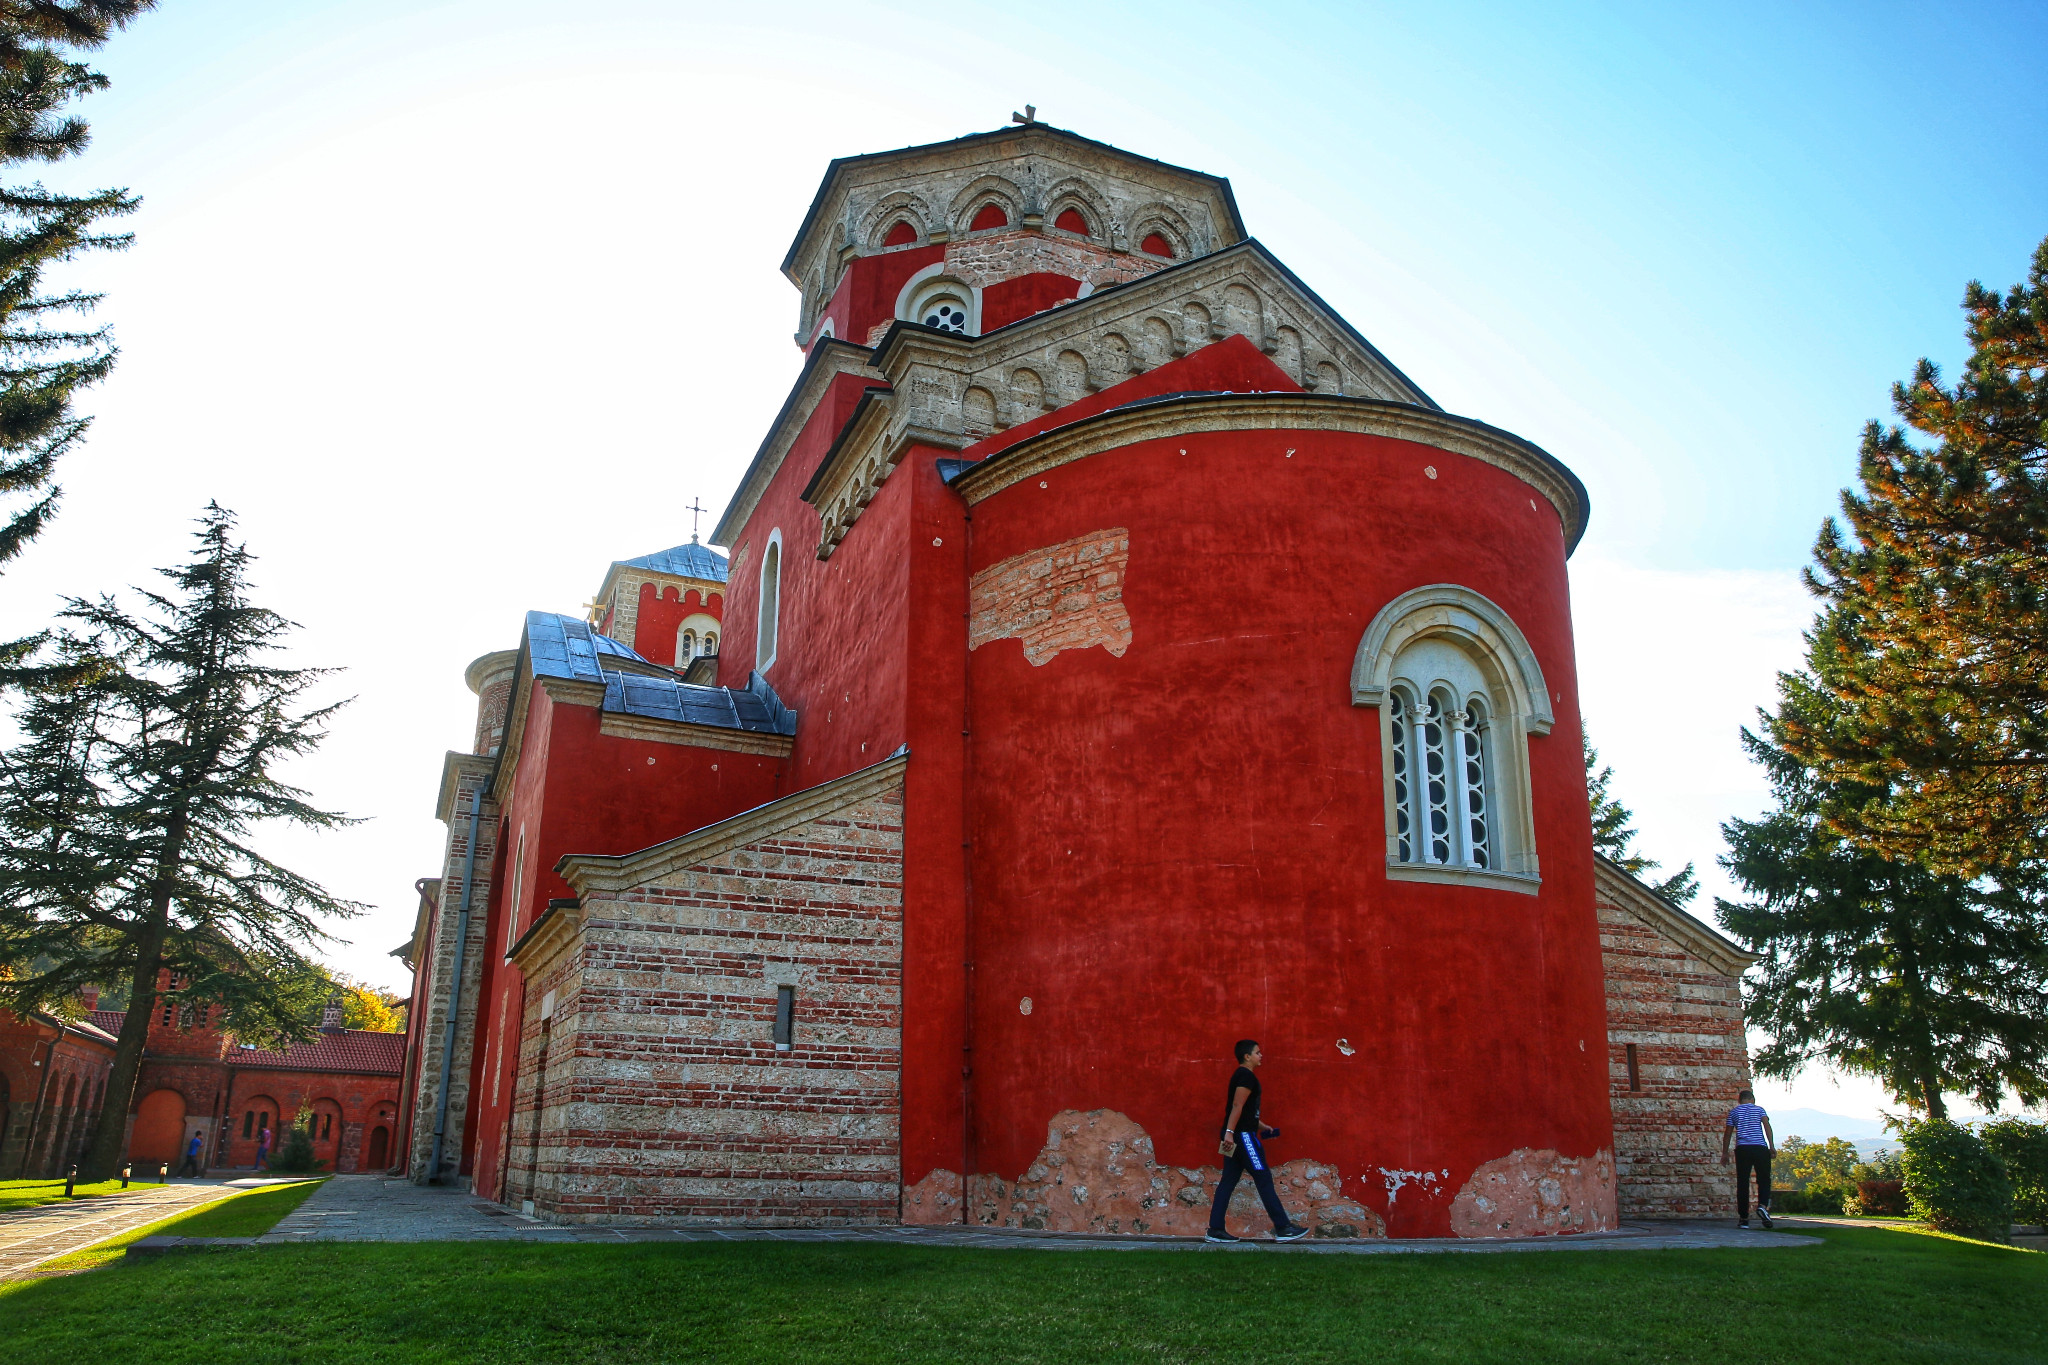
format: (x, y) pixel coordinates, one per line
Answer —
(1954, 1182)
(2022, 1148)
(294, 1156)
(1876, 1197)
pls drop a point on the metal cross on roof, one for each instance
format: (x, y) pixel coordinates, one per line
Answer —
(695, 511)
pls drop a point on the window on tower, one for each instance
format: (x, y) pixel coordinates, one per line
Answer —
(902, 234)
(1070, 220)
(767, 626)
(1459, 692)
(988, 218)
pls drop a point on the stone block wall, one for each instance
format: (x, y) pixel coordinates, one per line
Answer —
(653, 1091)
(438, 962)
(1682, 1012)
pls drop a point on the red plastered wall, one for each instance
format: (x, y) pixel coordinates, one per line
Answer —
(578, 790)
(1007, 301)
(662, 612)
(867, 291)
(1185, 845)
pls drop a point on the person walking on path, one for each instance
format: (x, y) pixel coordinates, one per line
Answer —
(1750, 1126)
(262, 1146)
(191, 1166)
(1242, 1150)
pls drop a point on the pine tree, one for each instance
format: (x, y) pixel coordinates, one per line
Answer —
(1613, 834)
(1926, 704)
(125, 813)
(43, 361)
(1928, 982)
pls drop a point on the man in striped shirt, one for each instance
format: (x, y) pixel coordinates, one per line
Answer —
(1750, 1126)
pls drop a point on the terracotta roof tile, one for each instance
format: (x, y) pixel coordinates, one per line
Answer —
(356, 1050)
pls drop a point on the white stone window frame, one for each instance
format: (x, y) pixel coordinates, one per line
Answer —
(699, 626)
(1519, 706)
(768, 605)
(931, 283)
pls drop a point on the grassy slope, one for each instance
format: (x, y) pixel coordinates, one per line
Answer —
(1868, 1296)
(238, 1215)
(27, 1194)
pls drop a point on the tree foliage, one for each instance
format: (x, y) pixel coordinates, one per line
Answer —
(46, 354)
(1927, 982)
(366, 1007)
(2022, 1148)
(126, 811)
(1613, 835)
(1823, 1167)
(1926, 703)
(1954, 1182)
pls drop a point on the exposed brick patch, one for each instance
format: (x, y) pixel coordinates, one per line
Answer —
(1534, 1193)
(1097, 1173)
(1065, 596)
(655, 1092)
(1684, 1018)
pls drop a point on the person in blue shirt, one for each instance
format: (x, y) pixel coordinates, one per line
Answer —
(1750, 1127)
(192, 1150)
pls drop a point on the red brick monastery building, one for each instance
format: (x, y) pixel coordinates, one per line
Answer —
(195, 1079)
(1118, 656)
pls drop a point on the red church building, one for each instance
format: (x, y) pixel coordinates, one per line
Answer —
(1117, 656)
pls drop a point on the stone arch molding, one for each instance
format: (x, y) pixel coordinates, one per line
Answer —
(1473, 621)
(1520, 702)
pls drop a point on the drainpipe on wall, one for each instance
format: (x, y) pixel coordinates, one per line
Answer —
(35, 1117)
(476, 815)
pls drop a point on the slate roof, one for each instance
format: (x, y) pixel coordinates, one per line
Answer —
(564, 647)
(684, 561)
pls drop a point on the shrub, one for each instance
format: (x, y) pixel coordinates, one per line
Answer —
(1875, 1196)
(1953, 1181)
(2023, 1149)
(294, 1156)
(1884, 1166)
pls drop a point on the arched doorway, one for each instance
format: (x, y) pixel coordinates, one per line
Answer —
(380, 1149)
(159, 1128)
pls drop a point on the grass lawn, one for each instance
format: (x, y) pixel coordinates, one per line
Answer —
(1869, 1296)
(16, 1195)
(238, 1215)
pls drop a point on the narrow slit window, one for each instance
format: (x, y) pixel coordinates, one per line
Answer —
(785, 1016)
(1635, 1078)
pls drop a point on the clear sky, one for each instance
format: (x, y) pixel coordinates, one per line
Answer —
(455, 303)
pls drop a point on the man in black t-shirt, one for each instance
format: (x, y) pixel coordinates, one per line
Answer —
(1242, 1150)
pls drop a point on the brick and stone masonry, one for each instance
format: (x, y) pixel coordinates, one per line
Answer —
(651, 1088)
(1674, 995)
(462, 777)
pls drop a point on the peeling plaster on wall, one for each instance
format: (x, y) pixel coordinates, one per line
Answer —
(1065, 596)
(933, 1201)
(1097, 1173)
(1396, 1179)
(1531, 1193)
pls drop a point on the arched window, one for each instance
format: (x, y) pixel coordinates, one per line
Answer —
(945, 311)
(902, 234)
(1070, 220)
(1156, 245)
(686, 646)
(768, 626)
(937, 300)
(989, 217)
(710, 642)
(1459, 691)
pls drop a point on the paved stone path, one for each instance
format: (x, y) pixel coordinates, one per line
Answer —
(31, 1236)
(375, 1209)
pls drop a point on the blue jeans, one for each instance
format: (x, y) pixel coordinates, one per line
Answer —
(1251, 1157)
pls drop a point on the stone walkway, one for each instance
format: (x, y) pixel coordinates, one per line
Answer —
(31, 1236)
(376, 1209)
